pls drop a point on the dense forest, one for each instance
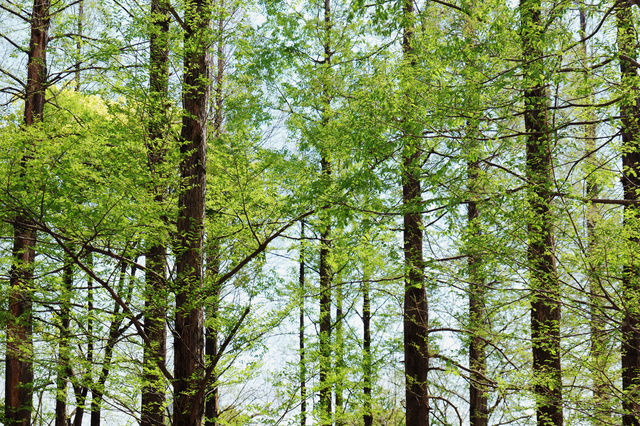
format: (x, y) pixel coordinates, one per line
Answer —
(332, 212)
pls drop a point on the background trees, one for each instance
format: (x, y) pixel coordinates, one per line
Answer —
(478, 156)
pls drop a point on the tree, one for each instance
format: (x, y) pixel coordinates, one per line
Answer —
(19, 353)
(416, 311)
(545, 303)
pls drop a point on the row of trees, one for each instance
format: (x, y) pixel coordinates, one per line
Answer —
(421, 212)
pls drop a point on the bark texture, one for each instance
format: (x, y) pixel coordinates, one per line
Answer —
(19, 350)
(153, 397)
(416, 311)
(630, 116)
(544, 283)
(189, 317)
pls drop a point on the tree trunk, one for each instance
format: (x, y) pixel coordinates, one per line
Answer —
(153, 398)
(630, 114)
(339, 358)
(544, 286)
(478, 397)
(115, 331)
(325, 316)
(303, 366)
(416, 319)
(366, 346)
(602, 408)
(189, 321)
(212, 405)
(19, 350)
(325, 271)
(63, 344)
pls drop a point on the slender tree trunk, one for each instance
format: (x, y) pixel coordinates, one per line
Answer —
(366, 346)
(544, 286)
(416, 311)
(325, 271)
(303, 365)
(81, 390)
(189, 317)
(599, 342)
(630, 114)
(325, 316)
(63, 344)
(112, 338)
(19, 349)
(153, 397)
(339, 358)
(212, 407)
(478, 396)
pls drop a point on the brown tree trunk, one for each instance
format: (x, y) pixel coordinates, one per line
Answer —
(19, 350)
(325, 271)
(339, 357)
(189, 317)
(63, 344)
(602, 408)
(303, 365)
(325, 315)
(366, 346)
(416, 319)
(478, 397)
(630, 114)
(115, 331)
(544, 286)
(212, 405)
(153, 398)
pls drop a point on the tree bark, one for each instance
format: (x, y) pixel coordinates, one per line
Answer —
(325, 271)
(366, 346)
(630, 115)
(478, 397)
(303, 366)
(115, 331)
(19, 350)
(189, 317)
(416, 311)
(544, 285)
(153, 397)
(63, 344)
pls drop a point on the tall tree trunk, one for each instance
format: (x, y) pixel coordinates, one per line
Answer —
(112, 338)
(63, 344)
(416, 311)
(544, 285)
(478, 324)
(325, 271)
(598, 351)
(19, 350)
(339, 357)
(303, 365)
(212, 406)
(630, 114)
(153, 398)
(325, 315)
(189, 321)
(81, 390)
(478, 397)
(366, 346)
